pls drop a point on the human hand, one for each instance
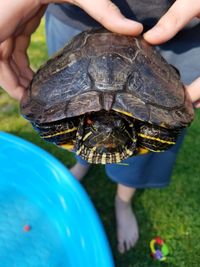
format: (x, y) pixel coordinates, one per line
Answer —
(18, 20)
(180, 13)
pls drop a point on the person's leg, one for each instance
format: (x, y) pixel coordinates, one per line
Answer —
(57, 35)
(145, 171)
(80, 169)
(127, 227)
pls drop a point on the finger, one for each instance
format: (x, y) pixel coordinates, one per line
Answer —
(14, 67)
(27, 73)
(20, 12)
(9, 76)
(20, 56)
(21, 45)
(14, 78)
(22, 42)
(24, 80)
(32, 24)
(9, 81)
(180, 13)
(194, 90)
(30, 21)
(197, 104)
(108, 15)
(6, 49)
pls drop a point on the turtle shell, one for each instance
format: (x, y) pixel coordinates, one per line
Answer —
(102, 70)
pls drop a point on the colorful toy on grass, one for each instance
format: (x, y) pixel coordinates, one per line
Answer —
(159, 249)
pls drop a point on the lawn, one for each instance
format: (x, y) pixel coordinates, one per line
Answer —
(172, 213)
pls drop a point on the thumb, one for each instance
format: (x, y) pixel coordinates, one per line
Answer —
(194, 92)
(109, 15)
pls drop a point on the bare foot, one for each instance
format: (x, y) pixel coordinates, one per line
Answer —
(127, 227)
(79, 170)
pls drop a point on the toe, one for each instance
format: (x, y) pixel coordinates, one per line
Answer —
(121, 247)
(133, 241)
(128, 245)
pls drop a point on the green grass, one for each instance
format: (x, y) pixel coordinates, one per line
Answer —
(172, 213)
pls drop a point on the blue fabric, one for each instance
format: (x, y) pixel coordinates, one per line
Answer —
(57, 33)
(150, 170)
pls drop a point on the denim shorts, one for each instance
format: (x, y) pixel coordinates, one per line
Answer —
(143, 171)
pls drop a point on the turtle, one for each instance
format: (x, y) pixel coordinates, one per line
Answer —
(107, 97)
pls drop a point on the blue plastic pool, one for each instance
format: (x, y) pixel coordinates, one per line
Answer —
(37, 191)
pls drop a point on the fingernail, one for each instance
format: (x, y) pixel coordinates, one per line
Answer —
(154, 32)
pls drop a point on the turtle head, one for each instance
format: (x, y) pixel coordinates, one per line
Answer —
(105, 137)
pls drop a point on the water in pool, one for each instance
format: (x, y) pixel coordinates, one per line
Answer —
(39, 246)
